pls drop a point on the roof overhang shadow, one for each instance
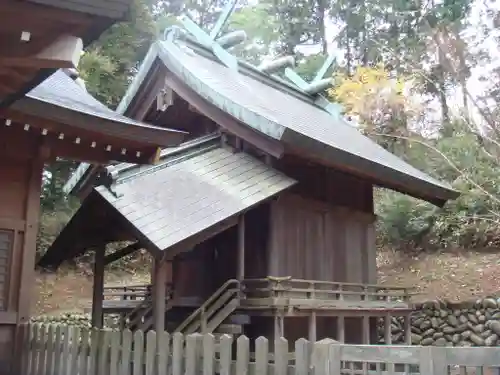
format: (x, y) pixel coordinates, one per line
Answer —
(94, 224)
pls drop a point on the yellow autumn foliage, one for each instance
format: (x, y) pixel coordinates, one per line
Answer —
(372, 95)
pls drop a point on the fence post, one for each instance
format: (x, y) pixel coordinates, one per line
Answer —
(226, 342)
(242, 355)
(209, 354)
(193, 343)
(261, 355)
(302, 357)
(326, 357)
(280, 356)
(433, 360)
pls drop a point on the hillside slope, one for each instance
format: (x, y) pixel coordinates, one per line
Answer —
(456, 276)
(459, 275)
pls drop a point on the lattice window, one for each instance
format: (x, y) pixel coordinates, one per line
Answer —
(6, 240)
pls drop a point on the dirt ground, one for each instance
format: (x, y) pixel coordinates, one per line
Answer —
(459, 275)
(455, 276)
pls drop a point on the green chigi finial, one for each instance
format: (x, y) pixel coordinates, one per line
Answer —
(210, 40)
(218, 43)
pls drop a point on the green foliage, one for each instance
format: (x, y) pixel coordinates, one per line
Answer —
(469, 221)
(109, 64)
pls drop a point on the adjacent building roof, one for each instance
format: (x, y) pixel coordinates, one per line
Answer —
(80, 18)
(114, 9)
(61, 99)
(195, 188)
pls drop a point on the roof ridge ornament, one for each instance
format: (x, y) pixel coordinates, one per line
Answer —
(218, 43)
(273, 66)
(317, 85)
(210, 40)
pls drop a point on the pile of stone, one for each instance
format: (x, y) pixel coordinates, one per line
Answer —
(75, 320)
(441, 323)
(70, 319)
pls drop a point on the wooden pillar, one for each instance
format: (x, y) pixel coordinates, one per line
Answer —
(407, 329)
(279, 326)
(27, 276)
(341, 328)
(387, 329)
(98, 289)
(152, 272)
(388, 339)
(366, 330)
(32, 210)
(241, 247)
(312, 327)
(159, 293)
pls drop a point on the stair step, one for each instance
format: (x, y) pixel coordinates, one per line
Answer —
(230, 329)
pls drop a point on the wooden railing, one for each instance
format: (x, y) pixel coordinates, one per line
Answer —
(298, 289)
(127, 292)
(201, 318)
(58, 350)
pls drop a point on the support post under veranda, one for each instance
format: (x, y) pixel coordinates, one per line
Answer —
(160, 293)
(98, 288)
(241, 247)
(279, 324)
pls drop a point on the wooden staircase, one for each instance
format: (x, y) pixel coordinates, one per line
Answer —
(210, 316)
(217, 315)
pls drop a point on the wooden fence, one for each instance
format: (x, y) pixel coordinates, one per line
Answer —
(62, 350)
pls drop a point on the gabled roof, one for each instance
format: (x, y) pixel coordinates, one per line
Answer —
(292, 117)
(195, 190)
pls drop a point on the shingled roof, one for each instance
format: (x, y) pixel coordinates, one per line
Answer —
(294, 119)
(195, 188)
(59, 98)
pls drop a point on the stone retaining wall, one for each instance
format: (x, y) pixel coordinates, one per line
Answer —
(441, 323)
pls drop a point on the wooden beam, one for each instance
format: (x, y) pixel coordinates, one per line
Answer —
(127, 250)
(159, 293)
(341, 328)
(64, 52)
(152, 90)
(67, 147)
(407, 329)
(32, 209)
(366, 329)
(98, 289)
(223, 119)
(241, 247)
(39, 15)
(189, 243)
(279, 325)
(312, 327)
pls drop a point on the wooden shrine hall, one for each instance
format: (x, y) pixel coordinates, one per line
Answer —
(46, 114)
(261, 222)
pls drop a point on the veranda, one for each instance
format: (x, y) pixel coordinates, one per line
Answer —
(63, 350)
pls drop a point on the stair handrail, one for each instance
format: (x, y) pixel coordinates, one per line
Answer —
(214, 297)
(146, 305)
